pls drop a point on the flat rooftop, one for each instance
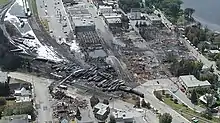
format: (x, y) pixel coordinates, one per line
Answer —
(83, 22)
(191, 81)
(153, 17)
(114, 20)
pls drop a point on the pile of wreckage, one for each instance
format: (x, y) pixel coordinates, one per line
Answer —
(67, 105)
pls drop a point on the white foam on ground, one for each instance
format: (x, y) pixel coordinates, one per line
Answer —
(43, 51)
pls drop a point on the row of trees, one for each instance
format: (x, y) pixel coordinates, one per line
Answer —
(186, 67)
(170, 7)
(126, 5)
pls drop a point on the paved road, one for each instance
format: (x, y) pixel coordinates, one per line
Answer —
(42, 97)
(151, 85)
(54, 12)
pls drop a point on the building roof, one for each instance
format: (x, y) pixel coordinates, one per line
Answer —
(191, 81)
(214, 51)
(3, 76)
(83, 22)
(113, 20)
(154, 18)
(111, 15)
(103, 7)
(22, 92)
(102, 108)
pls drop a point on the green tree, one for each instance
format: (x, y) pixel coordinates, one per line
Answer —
(188, 12)
(2, 101)
(112, 119)
(143, 103)
(165, 118)
(194, 98)
(105, 101)
(94, 101)
(158, 95)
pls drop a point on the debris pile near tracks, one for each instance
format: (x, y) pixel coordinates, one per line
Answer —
(68, 105)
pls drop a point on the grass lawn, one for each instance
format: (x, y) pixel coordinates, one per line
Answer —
(188, 113)
(2, 2)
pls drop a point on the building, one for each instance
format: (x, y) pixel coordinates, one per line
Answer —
(101, 111)
(81, 19)
(23, 95)
(214, 51)
(111, 22)
(135, 14)
(154, 19)
(203, 99)
(3, 77)
(16, 119)
(124, 117)
(189, 82)
(105, 9)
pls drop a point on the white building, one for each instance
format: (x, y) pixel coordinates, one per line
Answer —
(135, 14)
(190, 82)
(124, 117)
(154, 19)
(101, 111)
(105, 9)
(203, 98)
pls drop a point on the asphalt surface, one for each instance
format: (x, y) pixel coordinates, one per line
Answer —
(41, 95)
(54, 12)
(150, 86)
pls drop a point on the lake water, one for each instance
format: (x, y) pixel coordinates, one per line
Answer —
(206, 11)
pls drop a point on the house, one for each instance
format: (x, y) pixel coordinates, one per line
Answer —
(101, 111)
(203, 99)
(124, 117)
(189, 82)
(105, 9)
(135, 14)
(23, 95)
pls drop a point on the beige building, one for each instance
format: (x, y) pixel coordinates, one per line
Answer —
(189, 82)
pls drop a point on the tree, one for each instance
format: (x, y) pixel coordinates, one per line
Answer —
(158, 95)
(2, 101)
(188, 12)
(143, 103)
(94, 101)
(175, 101)
(148, 105)
(78, 114)
(105, 101)
(137, 25)
(112, 119)
(165, 118)
(194, 98)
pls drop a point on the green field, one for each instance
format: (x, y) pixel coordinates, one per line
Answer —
(188, 113)
(2, 2)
